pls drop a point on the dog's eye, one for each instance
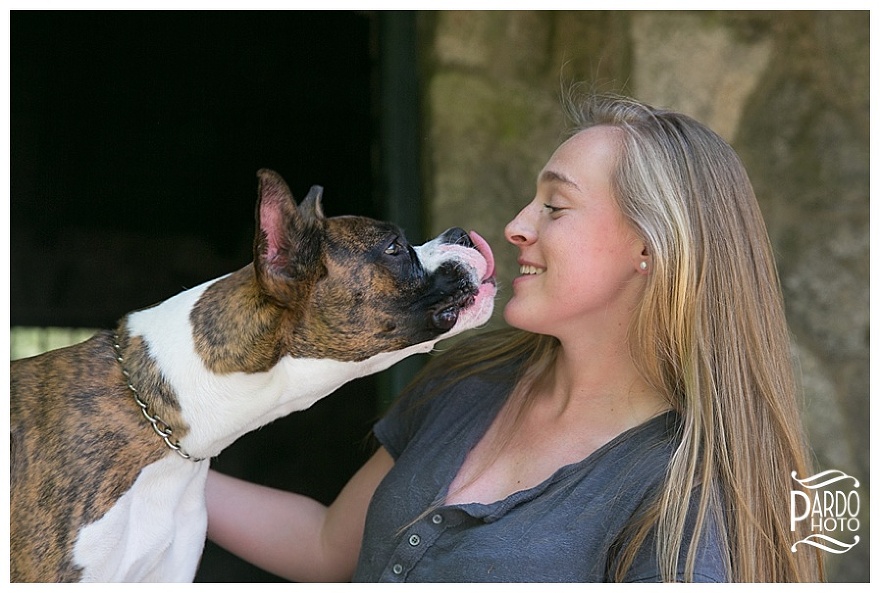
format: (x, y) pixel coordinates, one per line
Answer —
(394, 248)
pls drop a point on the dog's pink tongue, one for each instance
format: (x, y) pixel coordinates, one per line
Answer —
(486, 251)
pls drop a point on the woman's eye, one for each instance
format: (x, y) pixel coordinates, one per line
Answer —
(552, 209)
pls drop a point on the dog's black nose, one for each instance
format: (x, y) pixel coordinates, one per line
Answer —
(457, 236)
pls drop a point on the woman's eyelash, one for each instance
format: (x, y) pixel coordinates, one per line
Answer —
(552, 208)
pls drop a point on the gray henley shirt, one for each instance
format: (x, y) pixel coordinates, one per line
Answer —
(562, 530)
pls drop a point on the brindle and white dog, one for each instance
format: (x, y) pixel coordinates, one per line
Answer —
(110, 439)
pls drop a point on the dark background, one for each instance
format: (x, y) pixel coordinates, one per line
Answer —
(135, 141)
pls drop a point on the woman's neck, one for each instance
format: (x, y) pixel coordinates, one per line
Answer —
(601, 386)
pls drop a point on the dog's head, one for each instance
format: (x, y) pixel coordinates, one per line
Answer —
(353, 287)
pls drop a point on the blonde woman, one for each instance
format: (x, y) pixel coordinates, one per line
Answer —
(639, 422)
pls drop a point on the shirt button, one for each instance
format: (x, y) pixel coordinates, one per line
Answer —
(397, 569)
(414, 540)
(437, 519)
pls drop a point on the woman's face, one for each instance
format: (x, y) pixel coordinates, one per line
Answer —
(579, 259)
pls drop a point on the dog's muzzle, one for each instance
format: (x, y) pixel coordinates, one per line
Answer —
(457, 291)
(445, 315)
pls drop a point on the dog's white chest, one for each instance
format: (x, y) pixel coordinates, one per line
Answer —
(154, 533)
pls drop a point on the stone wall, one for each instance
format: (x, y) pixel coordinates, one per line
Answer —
(790, 91)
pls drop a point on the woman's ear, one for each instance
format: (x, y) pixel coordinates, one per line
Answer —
(644, 262)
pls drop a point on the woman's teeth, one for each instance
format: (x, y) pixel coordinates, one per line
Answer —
(530, 270)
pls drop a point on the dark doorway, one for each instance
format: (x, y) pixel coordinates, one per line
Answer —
(135, 138)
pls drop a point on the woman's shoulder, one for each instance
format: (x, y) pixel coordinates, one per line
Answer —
(454, 388)
(450, 391)
(469, 365)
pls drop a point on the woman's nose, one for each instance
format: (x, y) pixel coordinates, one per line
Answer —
(520, 230)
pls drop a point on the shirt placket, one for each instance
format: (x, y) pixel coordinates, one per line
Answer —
(416, 541)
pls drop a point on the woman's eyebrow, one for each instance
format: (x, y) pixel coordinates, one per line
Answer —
(550, 176)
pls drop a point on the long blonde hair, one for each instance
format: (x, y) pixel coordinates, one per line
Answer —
(710, 336)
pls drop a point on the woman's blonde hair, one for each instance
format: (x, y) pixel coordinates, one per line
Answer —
(710, 336)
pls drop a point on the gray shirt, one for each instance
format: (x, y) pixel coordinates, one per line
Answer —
(562, 530)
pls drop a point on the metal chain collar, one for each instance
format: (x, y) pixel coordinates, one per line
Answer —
(159, 426)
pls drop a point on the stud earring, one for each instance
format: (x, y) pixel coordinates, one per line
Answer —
(643, 265)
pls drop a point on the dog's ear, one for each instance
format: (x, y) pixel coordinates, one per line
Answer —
(288, 244)
(310, 208)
